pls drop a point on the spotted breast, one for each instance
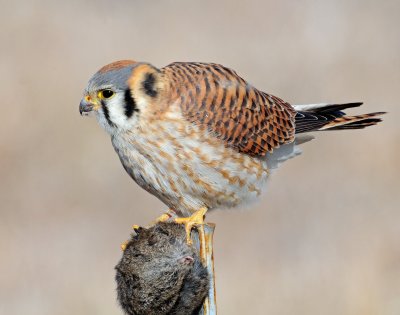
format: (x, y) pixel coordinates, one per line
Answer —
(187, 167)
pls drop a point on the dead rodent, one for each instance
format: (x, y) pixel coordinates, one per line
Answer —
(160, 274)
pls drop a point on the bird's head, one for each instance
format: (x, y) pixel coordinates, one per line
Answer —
(120, 92)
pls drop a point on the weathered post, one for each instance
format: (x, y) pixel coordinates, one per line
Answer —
(207, 259)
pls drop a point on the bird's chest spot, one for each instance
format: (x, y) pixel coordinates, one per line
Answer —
(192, 168)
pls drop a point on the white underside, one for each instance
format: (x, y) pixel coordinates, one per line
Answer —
(191, 176)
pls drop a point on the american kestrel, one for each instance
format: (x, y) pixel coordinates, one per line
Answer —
(197, 135)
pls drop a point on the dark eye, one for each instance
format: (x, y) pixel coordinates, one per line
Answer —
(106, 93)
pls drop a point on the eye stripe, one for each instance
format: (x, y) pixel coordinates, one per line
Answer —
(130, 104)
(106, 113)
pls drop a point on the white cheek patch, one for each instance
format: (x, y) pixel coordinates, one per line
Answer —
(117, 115)
(116, 108)
(116, 111)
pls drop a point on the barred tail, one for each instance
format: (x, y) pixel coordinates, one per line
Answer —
(317, 117)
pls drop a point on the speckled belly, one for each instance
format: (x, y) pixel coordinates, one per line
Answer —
(189, 170)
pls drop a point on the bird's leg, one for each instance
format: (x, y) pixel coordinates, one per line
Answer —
(195, 220)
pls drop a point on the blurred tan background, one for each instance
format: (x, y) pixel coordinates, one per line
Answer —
(324, 239)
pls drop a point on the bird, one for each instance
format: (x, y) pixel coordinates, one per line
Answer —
(159, 273)
(198, 136)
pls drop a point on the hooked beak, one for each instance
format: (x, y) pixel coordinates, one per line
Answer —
(85, 106)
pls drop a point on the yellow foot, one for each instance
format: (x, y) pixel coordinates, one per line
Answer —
(164, 217)
(123, 245)
(196, 219)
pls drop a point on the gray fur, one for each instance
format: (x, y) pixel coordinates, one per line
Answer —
(160, 274)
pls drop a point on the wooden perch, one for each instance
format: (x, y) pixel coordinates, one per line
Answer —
(207, 260)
